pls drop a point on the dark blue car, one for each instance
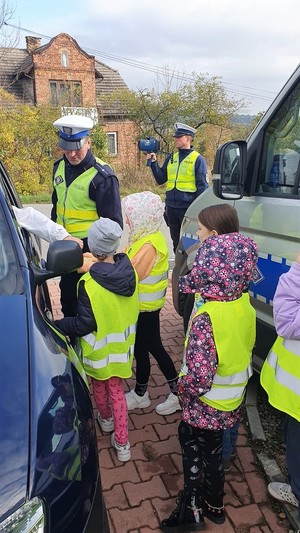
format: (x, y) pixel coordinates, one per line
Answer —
(49, 473)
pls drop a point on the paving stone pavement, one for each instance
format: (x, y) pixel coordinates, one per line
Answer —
(141, 492)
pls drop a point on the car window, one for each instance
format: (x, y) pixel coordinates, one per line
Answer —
(280, 163)
(10, 275)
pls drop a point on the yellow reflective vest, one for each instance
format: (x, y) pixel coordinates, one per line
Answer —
(181, 176)
(152, 290)
(280, 376)
(75, 210)
(234, 326)
(108, 352)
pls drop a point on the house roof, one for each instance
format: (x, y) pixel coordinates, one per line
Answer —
(111, 81)
(17, 63)
(10, 61)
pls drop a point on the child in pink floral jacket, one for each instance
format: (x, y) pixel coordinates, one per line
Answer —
(217, 366)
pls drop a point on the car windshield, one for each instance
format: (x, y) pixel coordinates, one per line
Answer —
(10, 275)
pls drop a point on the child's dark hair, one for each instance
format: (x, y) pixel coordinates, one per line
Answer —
(222, 218)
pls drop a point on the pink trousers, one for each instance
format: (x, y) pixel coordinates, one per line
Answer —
(110, 401)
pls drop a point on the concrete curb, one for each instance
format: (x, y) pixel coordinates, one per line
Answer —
(269, 466)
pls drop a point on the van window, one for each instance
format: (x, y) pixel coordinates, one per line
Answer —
(280, 162)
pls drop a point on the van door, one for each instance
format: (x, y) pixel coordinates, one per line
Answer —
(269, 211)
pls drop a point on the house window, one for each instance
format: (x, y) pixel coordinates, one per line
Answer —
(65, 93)
(112, 145)
(64, 59)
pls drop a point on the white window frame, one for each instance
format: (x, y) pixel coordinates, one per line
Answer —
(65, 59)
(114, 143)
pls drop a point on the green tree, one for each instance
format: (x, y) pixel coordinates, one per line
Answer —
(28, 144)
(99, 142)
(200, 102)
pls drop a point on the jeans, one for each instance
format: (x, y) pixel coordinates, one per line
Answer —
(292, 441)
(229, 440)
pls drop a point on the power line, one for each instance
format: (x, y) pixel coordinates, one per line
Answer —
(159, 70)
(175, 74)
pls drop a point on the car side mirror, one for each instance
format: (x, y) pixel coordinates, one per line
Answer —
(229, 171)
(63, 256)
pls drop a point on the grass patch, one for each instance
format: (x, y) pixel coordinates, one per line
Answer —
(43, 198)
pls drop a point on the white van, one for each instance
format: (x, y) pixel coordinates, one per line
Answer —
(261, 179)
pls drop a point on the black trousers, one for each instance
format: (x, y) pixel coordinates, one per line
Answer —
(147, 340)
(174, 218)
(68, 293)
(202, 462)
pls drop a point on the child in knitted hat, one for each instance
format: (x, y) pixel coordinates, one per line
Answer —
(106, 323)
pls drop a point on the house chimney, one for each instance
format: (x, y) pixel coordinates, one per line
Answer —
(32, 43)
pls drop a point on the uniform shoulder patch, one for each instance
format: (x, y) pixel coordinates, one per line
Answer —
(58, 180)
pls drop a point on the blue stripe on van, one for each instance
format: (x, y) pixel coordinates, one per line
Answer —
(263, 288)
(188, 240)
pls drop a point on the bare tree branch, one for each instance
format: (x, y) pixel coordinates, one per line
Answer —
(9, 34)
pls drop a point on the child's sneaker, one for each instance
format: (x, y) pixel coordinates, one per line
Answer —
(135, 401)
(107, 425)
(169, 406)
(123, 451)
(282, 492)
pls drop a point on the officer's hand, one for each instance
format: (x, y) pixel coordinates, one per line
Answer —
(152, 156)
(71, 238)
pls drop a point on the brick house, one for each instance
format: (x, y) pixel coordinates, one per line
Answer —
(62, 74)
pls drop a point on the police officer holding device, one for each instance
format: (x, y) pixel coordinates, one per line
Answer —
(185, 173)
(85, 188)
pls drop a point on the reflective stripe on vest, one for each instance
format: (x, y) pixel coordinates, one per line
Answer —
(284, 378)
(75, 210)
(152, 290)
(234, 349)
(111, 337)
(226, 391)
(151, 280)
(110, 359)
(280, 376)
(152, 296)
(182, 175)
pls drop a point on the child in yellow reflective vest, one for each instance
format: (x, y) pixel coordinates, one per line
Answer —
(106, 324)
(280, 377)
(217, 220)
(213, 379)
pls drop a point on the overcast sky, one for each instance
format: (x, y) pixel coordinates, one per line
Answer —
(252, 45)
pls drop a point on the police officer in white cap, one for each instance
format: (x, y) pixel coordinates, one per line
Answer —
(185, 173)
(85, 189)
